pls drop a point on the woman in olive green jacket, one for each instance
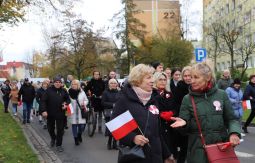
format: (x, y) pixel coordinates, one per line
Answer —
(214, 112)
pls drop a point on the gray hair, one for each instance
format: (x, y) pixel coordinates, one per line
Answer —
(205, 69)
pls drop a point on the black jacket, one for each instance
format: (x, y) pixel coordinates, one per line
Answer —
(6, 90)
(27, 91)
(172, 86)
(129, 101)
(181, 90)
(109, 98)
(38, 97)
(52, 101)
(96, 87)
(166, 102)
(250, 92)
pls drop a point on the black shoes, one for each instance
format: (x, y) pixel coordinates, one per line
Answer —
(44, 126)
(59, 149)
(79, 137)
(52, 142)
(114, 145)
(100, 130)
(24, 122)
(76, 141)
(245, 129)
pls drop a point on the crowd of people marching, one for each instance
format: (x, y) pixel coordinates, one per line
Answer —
(160, 101)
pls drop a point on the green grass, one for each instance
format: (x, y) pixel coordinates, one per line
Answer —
(246, 115)
(13, 144)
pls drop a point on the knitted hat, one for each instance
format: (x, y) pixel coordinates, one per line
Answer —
(237, 81)
(57, 78)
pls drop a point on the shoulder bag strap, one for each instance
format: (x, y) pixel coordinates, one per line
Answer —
(197, 121)
(78, 104)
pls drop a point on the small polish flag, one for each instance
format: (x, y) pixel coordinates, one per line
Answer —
(246, 104)
(69, 109)
(122, 125)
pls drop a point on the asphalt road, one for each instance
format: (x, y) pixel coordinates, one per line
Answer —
(93, 150)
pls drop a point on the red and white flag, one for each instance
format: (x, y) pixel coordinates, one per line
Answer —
(122, 125)
(69, 109)
(246, 104)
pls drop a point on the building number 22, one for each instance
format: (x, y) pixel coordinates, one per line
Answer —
(169, 15)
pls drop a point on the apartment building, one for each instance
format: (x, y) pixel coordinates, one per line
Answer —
(234, 15)
(161, 17)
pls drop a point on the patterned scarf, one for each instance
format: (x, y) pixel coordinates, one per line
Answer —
(143, 95)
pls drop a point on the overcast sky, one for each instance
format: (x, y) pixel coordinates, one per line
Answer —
(17, 43)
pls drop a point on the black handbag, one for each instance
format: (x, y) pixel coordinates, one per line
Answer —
(84, 113)
(129, 154)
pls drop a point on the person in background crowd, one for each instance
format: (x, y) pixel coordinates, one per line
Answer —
(112, 75)
(14, 98)
(6, 89)
(214, 111)
(54, 103)
(235, 96)
(66, 87)
(176, 77)
(35, 103)
(27, 93)
(39, 94)
(168, 75)
(157, 66)
(79, 101)
(109, 99)
(95, 89)
(181, 90)
(68, 82)
(136, 97)
(167, 109)
(249, 94)
(225, 81)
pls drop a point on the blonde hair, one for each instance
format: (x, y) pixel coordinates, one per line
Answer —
(186, 68)
(138, 72)
(156, 77)
(205, 69)
(75, 81)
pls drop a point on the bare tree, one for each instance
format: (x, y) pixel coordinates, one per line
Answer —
(215, 35)
(246, 52)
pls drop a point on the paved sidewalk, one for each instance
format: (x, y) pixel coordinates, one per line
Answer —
(44, 152)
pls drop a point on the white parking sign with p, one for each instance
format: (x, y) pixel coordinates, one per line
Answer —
(200, 54)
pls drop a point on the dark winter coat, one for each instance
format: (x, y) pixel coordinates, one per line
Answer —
(172, 86)
(181, 90)
(224, 83)
(38, 97)
(52, 101)
(217, 125)
(129, 101)
(250, 92)
(6, 90)
(96, 87)
(27, 91)
(109, 98)
(166, 102)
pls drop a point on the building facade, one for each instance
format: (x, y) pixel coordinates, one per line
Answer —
(161, 17)
(236, 16)
(17, 70)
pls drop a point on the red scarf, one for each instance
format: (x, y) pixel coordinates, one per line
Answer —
(207, 88)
